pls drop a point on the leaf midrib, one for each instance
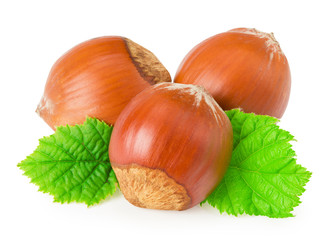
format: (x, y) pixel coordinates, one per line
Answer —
(267, 173)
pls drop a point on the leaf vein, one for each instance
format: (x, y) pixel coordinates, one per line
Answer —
(262, 149)
(77, 140)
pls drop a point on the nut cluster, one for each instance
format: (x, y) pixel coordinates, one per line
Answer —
(172, 142)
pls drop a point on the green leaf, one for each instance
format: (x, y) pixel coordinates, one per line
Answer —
(73, 163)
(263, 177)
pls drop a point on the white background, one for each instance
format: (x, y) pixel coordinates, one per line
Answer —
(35, 33)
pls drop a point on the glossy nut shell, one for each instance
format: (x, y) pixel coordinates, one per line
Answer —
(242, 68)
(170, 147)
(98, 78)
